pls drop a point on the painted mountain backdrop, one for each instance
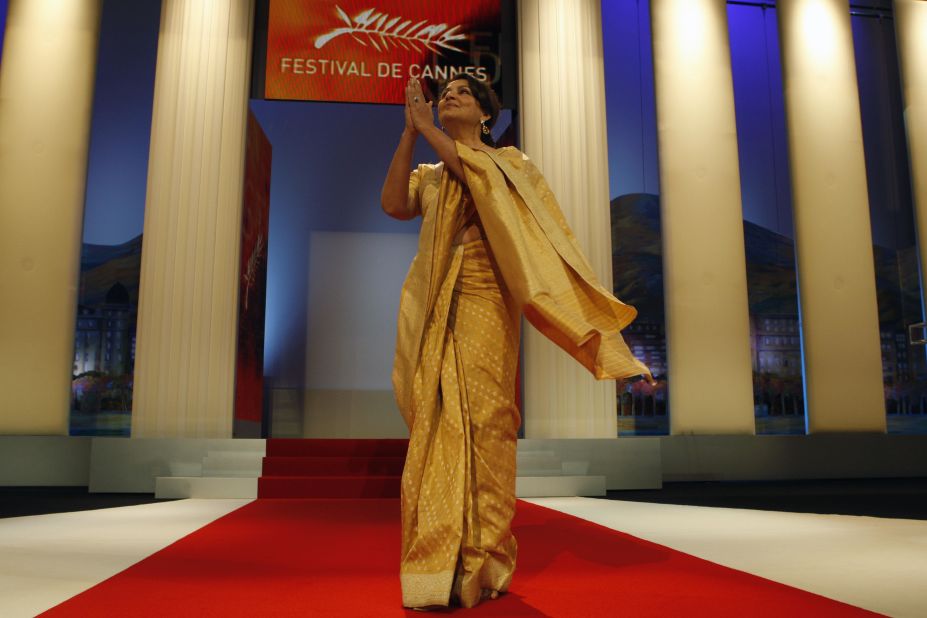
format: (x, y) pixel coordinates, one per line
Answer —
(637, 262)
(102, 266)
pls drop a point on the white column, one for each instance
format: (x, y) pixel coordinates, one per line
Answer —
(836, 274)
(704, 264)
(186, 341)
(563, 130)
(46, 94)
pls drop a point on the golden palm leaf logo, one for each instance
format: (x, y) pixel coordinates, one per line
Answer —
(395, 31)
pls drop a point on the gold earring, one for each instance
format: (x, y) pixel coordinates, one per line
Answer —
(485, 128)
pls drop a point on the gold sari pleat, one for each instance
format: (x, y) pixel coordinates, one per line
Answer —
(458, 485)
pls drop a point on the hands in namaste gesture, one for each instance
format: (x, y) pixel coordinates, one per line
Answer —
(419, 112)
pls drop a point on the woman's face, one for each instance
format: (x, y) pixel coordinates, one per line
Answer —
(457, 103)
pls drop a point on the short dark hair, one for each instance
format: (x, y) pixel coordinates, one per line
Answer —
(485, 96)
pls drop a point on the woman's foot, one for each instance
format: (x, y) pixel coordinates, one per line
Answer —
(488, 593)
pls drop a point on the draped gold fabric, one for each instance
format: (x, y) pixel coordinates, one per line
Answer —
(456, 359)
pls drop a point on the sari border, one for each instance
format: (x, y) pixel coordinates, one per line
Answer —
(423, 589)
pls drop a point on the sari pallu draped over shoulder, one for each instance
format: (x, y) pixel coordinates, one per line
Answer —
(453, 375)
(543, 265)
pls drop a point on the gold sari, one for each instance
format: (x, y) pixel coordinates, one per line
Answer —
(456, 359)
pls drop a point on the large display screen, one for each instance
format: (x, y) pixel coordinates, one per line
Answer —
(364, 51)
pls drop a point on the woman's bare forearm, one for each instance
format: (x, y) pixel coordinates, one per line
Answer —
(394, 196)
(446, 149)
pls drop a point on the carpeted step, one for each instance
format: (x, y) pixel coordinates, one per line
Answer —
(333, 466)
(337, 447)
(329, 486)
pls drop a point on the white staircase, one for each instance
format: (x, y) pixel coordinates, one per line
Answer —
(227, 473)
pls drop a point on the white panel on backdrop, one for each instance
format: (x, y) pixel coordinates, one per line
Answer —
(354, 285)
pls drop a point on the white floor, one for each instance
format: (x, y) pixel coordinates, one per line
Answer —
(876, 563)
(47, 559)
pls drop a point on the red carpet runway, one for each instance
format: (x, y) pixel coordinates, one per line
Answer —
(340, 557)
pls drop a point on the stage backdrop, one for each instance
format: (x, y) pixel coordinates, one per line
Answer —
(365, 52)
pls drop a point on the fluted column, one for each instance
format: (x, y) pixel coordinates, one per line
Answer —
(704, 263)
(186, 341)
(46, 94)
(563, 130)
(911, 37)
(836, 274)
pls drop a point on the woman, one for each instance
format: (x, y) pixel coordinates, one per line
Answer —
(493, 245)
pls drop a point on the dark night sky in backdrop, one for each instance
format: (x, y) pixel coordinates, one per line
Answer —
(121, 124)
(3, 5)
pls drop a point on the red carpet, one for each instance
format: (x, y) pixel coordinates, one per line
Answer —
(332, 468)
(341, 558)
